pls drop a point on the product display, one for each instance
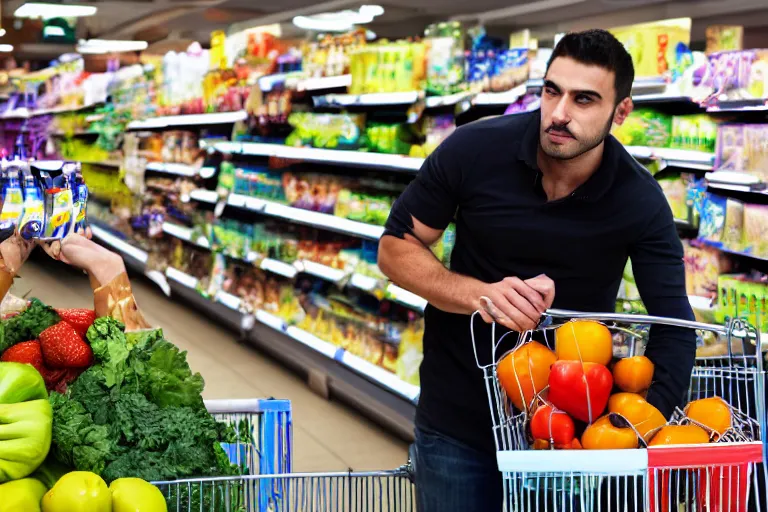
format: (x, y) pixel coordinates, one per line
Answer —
(252, 178)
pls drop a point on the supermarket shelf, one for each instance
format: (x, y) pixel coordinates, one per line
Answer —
(296, 81)
(446, 101)
(312, 268)
(365, 283)
(25, 113)
(364, 100)
(328, 156)
(188, 120)
(406, 298)
(719, 246)
(375, 392)
(104, 163)
(120, 245)
(186, 234)
(500, 98)
(688, 159)
(736, 182)
(173, 168)
(278, 267)
(306, 217)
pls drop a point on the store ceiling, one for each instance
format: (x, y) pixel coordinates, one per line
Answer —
(155, 20)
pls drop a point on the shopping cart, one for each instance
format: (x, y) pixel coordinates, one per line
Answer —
(263, 450)
(720, 477)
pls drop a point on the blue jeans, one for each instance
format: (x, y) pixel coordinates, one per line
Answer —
(452, 477)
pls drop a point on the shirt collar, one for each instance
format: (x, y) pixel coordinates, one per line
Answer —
(598, 184)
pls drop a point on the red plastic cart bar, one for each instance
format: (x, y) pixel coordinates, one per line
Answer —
(698, 456)
(721, 471)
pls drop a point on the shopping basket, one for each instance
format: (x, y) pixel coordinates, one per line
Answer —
(263, 449)
(720, 477)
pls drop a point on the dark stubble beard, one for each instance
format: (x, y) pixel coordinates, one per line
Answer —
(584, 146)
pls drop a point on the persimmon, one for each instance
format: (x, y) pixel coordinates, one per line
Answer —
(609, 432)
(584, 340)
(635, 409)
(580, 389)
(552, 425)
(712, 412)
(524, 372)
(633, 374)
(680, 434)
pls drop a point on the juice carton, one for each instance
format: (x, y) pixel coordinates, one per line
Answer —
(32, 219)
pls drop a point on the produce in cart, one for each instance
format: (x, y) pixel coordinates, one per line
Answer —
(124, 407)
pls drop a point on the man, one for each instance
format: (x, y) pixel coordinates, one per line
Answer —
(548, 207)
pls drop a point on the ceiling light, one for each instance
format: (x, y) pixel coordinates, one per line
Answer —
(340, 21)
(53, 31)
(2, 32)
(6, 48)
(48, 11)
(110, 46)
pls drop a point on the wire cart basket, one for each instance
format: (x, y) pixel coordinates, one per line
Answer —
(727, 476)
(263, 449)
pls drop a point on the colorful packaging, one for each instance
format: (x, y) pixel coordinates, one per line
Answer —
(712, 223)
(645, 127)
(733, 232)
(743, 148)
(13, 196)
(676, 191)
(695, 132)
(703, 267)
(654, 46)
(59, 208)
(80, 195)
(32, 219)
(755, 229)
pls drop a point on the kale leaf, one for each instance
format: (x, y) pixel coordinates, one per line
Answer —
(27, 325)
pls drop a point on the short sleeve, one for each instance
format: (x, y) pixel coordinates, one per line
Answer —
(434, 195)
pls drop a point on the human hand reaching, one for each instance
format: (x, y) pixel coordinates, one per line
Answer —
(77, 250)
(515, 303)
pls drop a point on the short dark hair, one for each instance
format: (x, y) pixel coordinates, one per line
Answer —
(599, 48)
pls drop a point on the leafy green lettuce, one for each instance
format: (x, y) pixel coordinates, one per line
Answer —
(27, 325)
(138, 412)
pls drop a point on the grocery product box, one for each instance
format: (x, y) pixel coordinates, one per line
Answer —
(740, 297)
(743, 148)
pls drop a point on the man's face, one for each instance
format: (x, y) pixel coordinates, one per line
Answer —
(578, 104)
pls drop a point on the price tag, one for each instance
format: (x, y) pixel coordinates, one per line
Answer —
(247, 322)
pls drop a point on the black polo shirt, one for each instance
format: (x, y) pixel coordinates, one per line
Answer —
(485, 177)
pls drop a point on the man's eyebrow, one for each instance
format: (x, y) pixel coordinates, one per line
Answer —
(587, 92)
(551, 85)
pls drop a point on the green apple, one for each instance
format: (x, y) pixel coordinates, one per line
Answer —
(24, 494)
(136, 495)
(79, 491)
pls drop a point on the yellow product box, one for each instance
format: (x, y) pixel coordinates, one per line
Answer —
(653, 45)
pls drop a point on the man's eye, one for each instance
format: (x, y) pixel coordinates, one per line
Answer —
(550, 91)
(583, 99)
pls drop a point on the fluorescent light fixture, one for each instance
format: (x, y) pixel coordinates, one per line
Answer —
(517, 10)
(340, 21)
(48, 11)
(97, 46)
(53, 31)
(6, 48)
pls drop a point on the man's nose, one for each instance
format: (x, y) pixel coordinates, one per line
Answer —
(560, 113)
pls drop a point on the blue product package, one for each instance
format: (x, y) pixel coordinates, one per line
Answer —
(32, 218)
(712, 224)
(59, 209)
(13, 197)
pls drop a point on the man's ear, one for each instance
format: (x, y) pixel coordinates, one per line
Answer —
(623, 109)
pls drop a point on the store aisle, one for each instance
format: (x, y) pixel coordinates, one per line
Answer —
(327, 435)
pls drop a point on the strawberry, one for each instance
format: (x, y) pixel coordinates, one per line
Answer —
(80, 319)
(64, 348)
(27, 352)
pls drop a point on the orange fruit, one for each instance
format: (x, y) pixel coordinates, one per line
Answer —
(633, 374)
(710, 412)
(634, 408)
(609, 433)
(584, 340)
(524, 372)
(680, 434)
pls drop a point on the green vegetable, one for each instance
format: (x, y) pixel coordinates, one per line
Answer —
(50, 472)
(21, 495)
(25, 421)
(27, 325)
(138, 412)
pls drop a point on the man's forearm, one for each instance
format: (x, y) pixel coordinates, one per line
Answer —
(412, 266)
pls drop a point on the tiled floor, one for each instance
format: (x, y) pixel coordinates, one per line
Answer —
(327, 436)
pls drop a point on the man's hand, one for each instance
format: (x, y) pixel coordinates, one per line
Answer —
(101, 264)
(516, 304)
